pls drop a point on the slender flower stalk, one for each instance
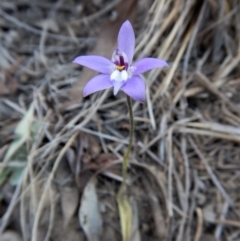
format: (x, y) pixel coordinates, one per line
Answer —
(124, 206)
(127, 153)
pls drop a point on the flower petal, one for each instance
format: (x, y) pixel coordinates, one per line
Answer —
(97, 63)
(126, 40)
(135, 88)
(99, 82)
(120, 58)
(117, 86)
(146, 64)
(119, 75)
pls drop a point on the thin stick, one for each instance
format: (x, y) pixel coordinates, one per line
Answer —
(199, 224)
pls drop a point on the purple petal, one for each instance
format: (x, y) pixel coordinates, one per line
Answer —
(117, 86)
(97, 63)
(126, 40)
(99, 82)
(135, 88)
(146, 64)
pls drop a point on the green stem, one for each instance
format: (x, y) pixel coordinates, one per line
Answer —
(126, 155)
(124, 206)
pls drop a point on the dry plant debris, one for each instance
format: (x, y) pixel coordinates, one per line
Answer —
(185, 166)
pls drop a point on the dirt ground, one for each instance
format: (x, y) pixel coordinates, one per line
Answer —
(61, 155)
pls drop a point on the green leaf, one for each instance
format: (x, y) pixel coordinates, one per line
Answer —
(22, 133)
(17, 151)
(125, 212)
(16, 175)
(4, 174)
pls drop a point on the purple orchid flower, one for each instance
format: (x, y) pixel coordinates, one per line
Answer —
(119, 72)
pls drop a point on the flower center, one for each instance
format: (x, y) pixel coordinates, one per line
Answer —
(120, 67)
(120, 72)
(119, 58)
(119, 75)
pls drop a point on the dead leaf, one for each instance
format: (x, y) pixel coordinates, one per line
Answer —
(69, 193)
(8, 88)
(10, 235)
(160, 217)
(71, 158)
(69, 202)
(84, 175)
(89, 213)
(82, 179)
(81, 157)
(158, 214)
(105, 46)
(103, 160)
(91, 145)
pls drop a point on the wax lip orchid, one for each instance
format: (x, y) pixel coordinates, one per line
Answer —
(119, 72)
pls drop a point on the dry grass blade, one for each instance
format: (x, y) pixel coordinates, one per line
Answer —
(231, 137)
(215, 91)
(211, 174)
